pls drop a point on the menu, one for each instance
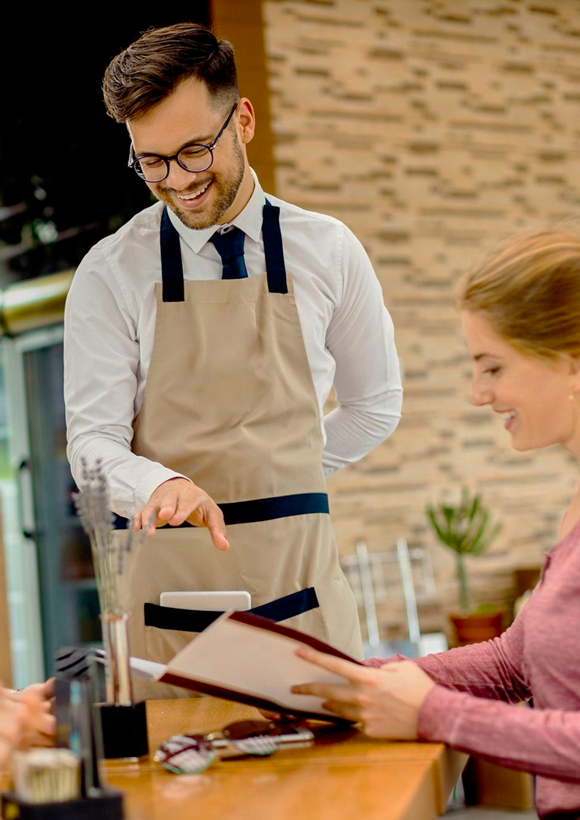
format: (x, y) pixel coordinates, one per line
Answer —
(249, 659)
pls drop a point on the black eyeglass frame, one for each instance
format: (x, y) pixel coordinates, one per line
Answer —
(134, 160)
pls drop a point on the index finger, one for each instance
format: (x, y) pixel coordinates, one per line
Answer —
(47, 688)
(351, 671)
(217, 528)
(149, 516)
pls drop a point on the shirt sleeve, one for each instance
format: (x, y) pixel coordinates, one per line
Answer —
(491, 669)
(541, 741)
(465, 710)
(367, 381)
(101, 361)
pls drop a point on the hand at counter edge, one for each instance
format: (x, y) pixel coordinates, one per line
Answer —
(178, 500)
(25, 717)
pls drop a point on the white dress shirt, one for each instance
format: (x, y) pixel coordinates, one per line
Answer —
(110, 324)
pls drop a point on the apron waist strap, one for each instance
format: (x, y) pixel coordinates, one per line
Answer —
(267, 509)
(263, 509)
(195, 620)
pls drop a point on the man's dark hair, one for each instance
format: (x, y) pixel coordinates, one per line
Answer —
(151, 68)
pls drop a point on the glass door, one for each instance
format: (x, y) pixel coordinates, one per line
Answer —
(65, 589)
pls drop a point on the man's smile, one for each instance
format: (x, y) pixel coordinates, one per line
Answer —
(196, 198)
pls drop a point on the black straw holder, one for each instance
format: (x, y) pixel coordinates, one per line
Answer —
(124, 729)
(108, 805)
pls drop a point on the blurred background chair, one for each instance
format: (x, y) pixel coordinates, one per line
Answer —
(378, 577)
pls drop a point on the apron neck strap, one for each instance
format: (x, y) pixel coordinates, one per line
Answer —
(273, 249)
(172, 267)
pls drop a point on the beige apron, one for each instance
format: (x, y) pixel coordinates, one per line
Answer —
(230, 402)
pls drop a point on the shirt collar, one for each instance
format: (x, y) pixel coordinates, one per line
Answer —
(249, 220)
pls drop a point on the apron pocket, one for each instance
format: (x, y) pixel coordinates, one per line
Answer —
(196, 620)
(174, 619)
(299, 610)
(310, 622)
(161, 646)
(168, 629)
(290, 606)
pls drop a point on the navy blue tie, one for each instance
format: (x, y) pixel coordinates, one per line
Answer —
(230, 246)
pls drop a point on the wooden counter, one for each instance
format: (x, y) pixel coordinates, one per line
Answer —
(344, 775)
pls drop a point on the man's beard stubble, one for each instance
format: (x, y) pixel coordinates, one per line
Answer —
(224, 194)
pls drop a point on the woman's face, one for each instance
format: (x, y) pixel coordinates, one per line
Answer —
(532, 394)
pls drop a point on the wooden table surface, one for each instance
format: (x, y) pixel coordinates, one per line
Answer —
(343, 775)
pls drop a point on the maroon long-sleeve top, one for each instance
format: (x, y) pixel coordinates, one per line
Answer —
(537, 658)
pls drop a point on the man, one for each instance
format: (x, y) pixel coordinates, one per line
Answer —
(201, 342)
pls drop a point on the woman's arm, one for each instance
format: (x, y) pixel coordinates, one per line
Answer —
(541, 741)
(492, 669)
(400, 702)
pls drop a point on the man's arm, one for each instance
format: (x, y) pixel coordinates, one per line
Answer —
(367, 381)
(101, 361)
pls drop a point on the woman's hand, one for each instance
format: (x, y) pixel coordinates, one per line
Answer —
(385, 701)
(12, 722)
(45, 691)
(39, 724)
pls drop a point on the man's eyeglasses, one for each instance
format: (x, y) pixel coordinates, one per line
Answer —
(193, 158)
(191, 754)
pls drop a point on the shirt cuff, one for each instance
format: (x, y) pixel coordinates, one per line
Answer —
(438, 714)
(150, 482)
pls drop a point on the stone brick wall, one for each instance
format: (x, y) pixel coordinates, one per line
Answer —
(434, 129)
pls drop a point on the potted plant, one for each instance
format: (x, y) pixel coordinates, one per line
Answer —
(467, 529)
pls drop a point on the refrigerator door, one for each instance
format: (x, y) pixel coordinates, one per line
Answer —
(50, 553)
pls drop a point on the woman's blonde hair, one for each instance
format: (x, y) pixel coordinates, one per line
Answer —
(529, 291)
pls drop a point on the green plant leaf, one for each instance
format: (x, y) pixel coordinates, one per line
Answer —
(465, 528)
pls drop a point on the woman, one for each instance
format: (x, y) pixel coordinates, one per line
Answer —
(520, 312)
(25, 718)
